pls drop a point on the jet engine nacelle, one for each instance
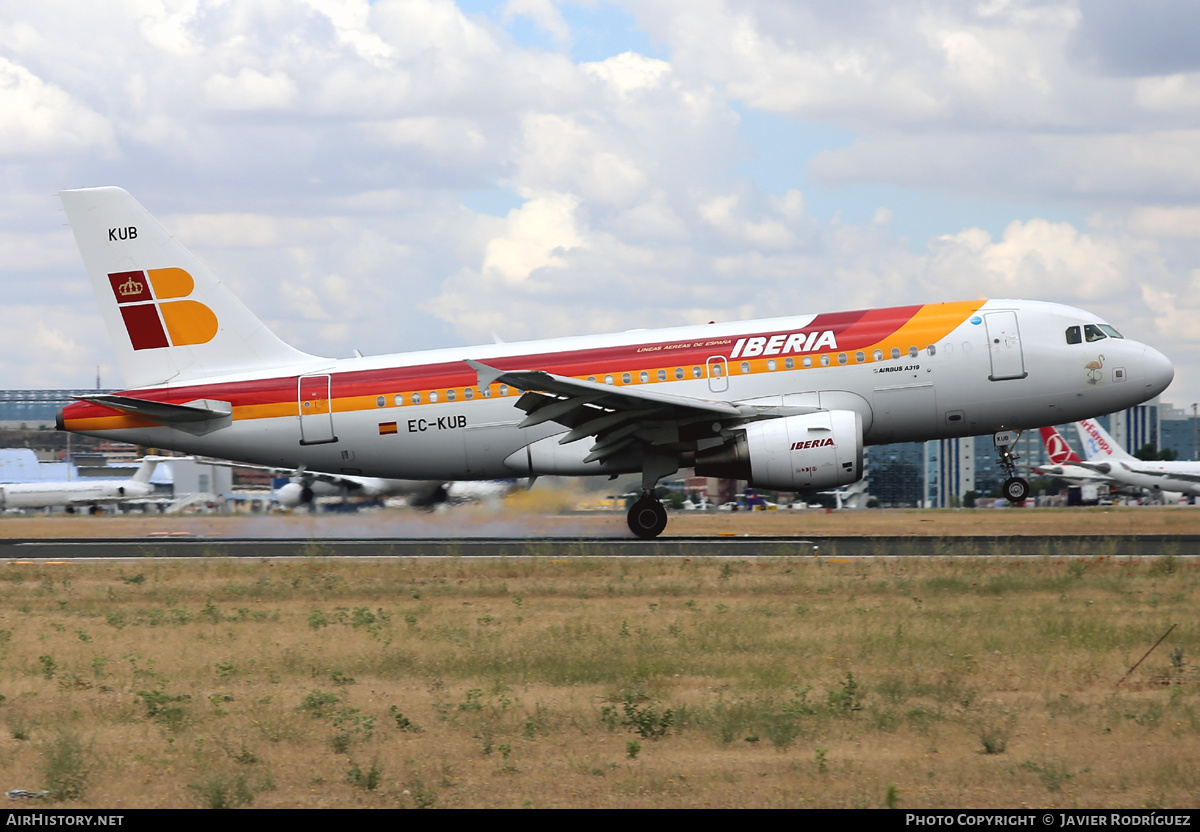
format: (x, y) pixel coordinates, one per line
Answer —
(811, 452)
(294, 494)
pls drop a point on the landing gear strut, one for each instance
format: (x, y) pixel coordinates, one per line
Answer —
(1015, 489)
(647, 518)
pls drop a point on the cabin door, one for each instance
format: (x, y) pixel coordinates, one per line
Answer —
(1004, 346)
(316, 410)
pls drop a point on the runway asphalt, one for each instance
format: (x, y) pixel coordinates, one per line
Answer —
(567, 547)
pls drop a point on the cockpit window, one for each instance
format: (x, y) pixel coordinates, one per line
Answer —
(1093, 333)
(1074, 336)
(1112, 333)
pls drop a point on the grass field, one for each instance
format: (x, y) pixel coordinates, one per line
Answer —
(564, 680)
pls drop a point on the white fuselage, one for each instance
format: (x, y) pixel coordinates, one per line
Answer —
(49, 494)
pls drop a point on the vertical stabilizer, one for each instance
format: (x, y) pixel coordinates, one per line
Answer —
(169, 318)
(1057, 449)
(146, 470)
(1098, 446)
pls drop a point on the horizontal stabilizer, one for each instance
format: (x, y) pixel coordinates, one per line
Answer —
(200, 410)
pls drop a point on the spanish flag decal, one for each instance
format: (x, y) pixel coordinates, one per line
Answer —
(387, 427)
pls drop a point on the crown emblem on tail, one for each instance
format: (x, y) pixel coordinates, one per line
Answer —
(131, 287)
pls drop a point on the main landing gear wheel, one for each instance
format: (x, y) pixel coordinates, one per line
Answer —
(647, 518)
(1015, 489)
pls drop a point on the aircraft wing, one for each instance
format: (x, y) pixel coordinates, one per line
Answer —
(617, 416)
(1182, 476)
(342, 480)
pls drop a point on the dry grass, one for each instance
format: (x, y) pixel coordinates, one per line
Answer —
(547, 682)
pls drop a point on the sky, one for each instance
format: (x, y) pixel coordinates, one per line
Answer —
(407, 174)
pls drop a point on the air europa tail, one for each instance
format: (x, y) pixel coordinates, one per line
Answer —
(1059, 451)
(169, 318)
(1098, 446)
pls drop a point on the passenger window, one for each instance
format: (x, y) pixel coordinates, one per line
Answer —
(380, 402)
(789, 363)
(450, 395)
(841, 358)
(1074, 336)
(626, 378)
(931, 349)
(825, 360)
(608, 379)
(468, 393)
(662, 375)
(487, 392)
(878, 355)
(771, 365)
(591, 378)
(895, 352)
(399, 400)
(1093, 333)
(716, 370)
(860, 357)
(807, 361)
(503, 389)
(745, 367)
(696, 373)
(416, 398)
(432, 396)
(912, 352)
(678, 372)
(645, 377)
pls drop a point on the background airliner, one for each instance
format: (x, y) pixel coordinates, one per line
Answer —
(77, 493)
(1105, 456)
(1066, 464)
(786, 403)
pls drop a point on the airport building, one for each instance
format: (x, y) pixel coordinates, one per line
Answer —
(34, 409)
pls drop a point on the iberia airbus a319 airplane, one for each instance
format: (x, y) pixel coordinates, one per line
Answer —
(786, 403)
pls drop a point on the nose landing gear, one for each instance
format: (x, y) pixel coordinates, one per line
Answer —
(1015, 489)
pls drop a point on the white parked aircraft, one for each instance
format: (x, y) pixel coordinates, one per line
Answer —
(304, 486)
(1105, 456)
(1066, 464)
(85, 492)
(785, 403)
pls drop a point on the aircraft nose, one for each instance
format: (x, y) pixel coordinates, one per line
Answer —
(1157, 371)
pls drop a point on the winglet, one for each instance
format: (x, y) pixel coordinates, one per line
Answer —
(487, 375)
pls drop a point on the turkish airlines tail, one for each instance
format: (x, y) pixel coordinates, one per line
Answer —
(1097, 444)
(169, 318)
(1056, 446)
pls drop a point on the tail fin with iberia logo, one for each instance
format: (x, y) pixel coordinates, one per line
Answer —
(170, 319)
(1057, 449)
(1098, 446)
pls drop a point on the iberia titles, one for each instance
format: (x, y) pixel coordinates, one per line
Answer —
(783, 344)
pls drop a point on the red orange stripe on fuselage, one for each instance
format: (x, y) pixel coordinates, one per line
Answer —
(354, 390)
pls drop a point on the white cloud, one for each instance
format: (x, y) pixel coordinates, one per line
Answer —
(319, 155)
(250, 90)
(40, 119)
